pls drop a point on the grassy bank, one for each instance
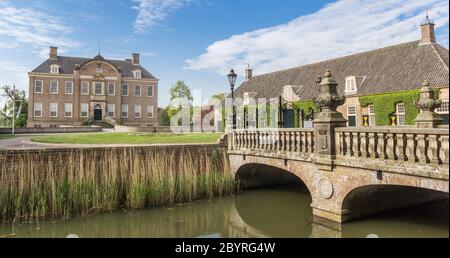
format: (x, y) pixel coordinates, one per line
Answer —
(127, 138)
(5, 136)
(52, 185)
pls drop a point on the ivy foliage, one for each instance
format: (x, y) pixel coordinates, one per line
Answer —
(308, 106)
(385, 105)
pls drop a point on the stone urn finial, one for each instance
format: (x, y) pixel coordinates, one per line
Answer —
(427, 104)
(328, 99)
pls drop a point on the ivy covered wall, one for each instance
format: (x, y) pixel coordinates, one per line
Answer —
(386, 104)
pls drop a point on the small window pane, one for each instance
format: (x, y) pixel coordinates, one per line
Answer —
(53, 109)
(111, 89)
(38, 86)
(85, 88)
(84, 109)
(69, 87)
(150, 91)
(54, 87)
(124, 90)
(111, 110)
(98, 90)
(137, 90)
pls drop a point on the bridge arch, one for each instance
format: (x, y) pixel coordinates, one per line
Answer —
(257, 175)
(375, 198)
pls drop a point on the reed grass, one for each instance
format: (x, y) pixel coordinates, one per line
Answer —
(48, 185)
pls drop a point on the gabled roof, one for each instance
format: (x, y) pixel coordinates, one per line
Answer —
(68, 65)
(397, 68)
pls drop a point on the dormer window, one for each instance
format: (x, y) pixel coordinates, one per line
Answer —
(246, 98)
(287, 93)
(137, 74)
(54, 68)
(350, 85)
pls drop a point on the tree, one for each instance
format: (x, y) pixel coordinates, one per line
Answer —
(220, 97)
(20, 107)
(163, 117)
(180, 91)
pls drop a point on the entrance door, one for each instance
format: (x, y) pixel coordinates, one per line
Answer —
(98, 113)
(289, 118)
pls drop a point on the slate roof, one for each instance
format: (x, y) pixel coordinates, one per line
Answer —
(68, 64)
(397, 68)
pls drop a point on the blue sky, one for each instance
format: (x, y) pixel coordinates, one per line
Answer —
(198, 41)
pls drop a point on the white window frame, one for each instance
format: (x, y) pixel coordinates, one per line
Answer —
(37, 107)
(140, 90)
(114, 89)
(86, 105)
(57, 87)
(81, 90)
(124, 110)
(444, 109)
(137, 74)
(42, 86)
(401, 115)
(65, 109)
(152, 91)
(127, 88)
(150, 111)
(111, 110)
(65, 88)
(372, 117)
(137, 107)
(54, 104)
(350, 85)
(102, 88)
(352, 114)
(246, 98)
(54, 69)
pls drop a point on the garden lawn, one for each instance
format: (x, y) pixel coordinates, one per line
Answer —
(5, 136)
(129, 138)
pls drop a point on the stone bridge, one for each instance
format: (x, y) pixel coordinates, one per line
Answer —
(349, 172)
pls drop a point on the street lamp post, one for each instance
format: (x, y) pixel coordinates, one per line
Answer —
(232, 80)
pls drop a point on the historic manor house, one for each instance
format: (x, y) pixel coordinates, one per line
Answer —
(73, 91)
(398, 68)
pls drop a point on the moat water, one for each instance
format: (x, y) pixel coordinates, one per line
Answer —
(274, 212)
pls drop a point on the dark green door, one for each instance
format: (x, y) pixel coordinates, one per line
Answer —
(98, 116)
(445, 117)
(352, 121)
(289, 118)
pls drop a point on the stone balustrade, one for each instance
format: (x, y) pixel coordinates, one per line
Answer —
(274, 140)
(423, 146)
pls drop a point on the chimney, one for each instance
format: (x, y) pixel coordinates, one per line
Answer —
(248, 73)
(135, 59)
(53, 53)
(428, 36)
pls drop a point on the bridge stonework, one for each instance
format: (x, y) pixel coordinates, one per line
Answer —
(350, 172)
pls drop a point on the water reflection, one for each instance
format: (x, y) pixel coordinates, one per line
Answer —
(282, 212)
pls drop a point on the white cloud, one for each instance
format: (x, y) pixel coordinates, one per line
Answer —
(33, 28)
(338, 29)
(155, 12)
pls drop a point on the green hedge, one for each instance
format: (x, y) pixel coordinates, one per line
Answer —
(386, 104)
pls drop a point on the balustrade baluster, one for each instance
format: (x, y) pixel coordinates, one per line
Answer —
(390, 146)
(312, 142)
(356, 145)
(443, 153)
(364, 151)
(422, 146)
(306, 143)
(381, 141)
(411, 146)
(400, 147)
(348, 145)
(433, 149)
(373, 146)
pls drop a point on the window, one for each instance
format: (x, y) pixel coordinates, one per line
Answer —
(137, 90)
(149, 90)
(111, 110)
(111, 89)
(38, 86)
(444, 108)
(137, 74)
(84, 110)
(372, 119)
(137, 111)
(53, 109)
(54, 87)
(124, 110)
(125, 90)
(84, 88)
(150, 111)
(69, 88)
(350, 85)
(98, 70)
(37, 109)
(351, 116)
(54, 68)
(68, 110)
(401, 114)
(98, 88)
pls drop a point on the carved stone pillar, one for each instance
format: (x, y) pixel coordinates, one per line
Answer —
(427, 104)
(327, 120)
